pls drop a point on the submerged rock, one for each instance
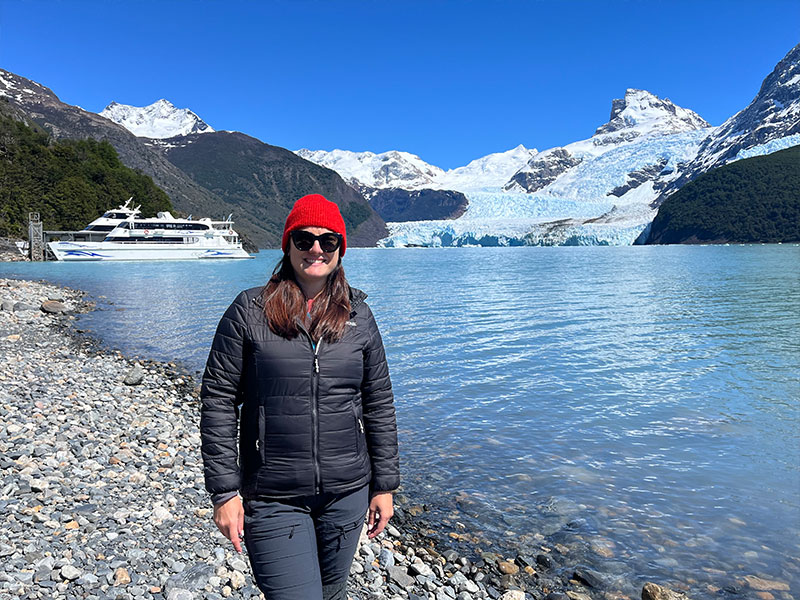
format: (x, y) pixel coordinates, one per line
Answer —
(652, 591)
(764, 585)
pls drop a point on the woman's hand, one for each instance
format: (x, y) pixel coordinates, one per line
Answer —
(380, 511)
(229, 519)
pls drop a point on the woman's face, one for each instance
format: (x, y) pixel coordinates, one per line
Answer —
(313, 266)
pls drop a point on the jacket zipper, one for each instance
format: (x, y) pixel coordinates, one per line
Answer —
(315, 419)
(315, 411)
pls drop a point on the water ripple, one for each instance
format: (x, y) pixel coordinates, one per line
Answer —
(649, 393)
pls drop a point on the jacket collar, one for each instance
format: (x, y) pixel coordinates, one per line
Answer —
(357, 298)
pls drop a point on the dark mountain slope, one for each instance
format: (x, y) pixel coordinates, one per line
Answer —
(263, 181)
(748, 201)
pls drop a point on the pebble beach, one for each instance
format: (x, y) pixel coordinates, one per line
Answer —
(102, 496)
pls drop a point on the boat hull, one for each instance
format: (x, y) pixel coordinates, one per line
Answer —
(98, 251)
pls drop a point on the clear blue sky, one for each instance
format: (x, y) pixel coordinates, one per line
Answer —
(448, 80)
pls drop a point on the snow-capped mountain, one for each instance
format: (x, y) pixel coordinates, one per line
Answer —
(409, 172)
(771, 122)
(641, 112)
(385, 170)
(158, 120)
(595, 191)
(637, 117)
(488, 172)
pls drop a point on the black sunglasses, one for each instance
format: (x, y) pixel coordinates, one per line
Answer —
(304, 240)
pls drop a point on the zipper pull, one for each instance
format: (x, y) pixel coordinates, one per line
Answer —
(257, 445)
(316, 365)
(361, 425)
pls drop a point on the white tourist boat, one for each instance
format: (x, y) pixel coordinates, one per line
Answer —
(121, 234)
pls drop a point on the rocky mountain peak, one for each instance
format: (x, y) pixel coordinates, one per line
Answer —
(23, 90)
(783, 83)
(644, 112)
(385, 170)
(769, 123)
(159, 120)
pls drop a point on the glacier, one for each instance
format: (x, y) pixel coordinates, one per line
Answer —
(515, 219)
(769, 147)
(578, 208)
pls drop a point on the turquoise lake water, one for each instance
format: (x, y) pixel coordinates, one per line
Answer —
(639, 405)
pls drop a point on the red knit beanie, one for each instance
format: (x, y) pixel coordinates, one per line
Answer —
(314, 210)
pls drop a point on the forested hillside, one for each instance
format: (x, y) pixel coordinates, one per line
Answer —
(748, 201)
(69, 183)
(263, 182)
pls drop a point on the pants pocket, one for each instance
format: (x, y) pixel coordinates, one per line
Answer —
(282, 551)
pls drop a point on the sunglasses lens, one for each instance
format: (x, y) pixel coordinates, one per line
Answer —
(304, 241)
(328, 242)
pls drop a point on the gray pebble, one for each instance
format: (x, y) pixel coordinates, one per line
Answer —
(386, 558)
(69, 572)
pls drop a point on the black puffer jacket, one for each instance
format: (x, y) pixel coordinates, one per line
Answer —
(310, 420)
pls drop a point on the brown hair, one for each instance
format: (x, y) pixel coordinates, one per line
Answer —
(285, 304)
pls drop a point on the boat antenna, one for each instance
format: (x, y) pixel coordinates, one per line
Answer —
(230, 216)
(128, 202)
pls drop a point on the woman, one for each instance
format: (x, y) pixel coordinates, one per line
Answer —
(298, 367)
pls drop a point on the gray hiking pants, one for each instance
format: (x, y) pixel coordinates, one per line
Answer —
(302, 548)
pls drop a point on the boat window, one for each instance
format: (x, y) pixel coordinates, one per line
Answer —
(99, 228)
(158, 240)
(169, 225)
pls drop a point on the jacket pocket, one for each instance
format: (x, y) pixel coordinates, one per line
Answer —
(359, 429)
(261, 440)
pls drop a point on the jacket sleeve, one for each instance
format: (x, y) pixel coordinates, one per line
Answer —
(219, 412)
(379, 415)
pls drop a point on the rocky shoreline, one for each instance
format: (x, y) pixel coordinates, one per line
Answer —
(102, 497)
(9, 251)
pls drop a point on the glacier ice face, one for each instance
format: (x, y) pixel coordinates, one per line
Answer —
(769, 147)
(515, 219)
(159, 120)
